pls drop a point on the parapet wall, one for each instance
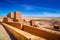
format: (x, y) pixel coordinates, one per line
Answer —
(7, 19)
(21, 35)
(50, 35)
(15, 24)
(41, 32)
(1, 19)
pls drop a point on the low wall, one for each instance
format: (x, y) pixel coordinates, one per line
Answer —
(50, 35)
(41, 32)
(21, 35)
(15, 24)
(1, 19)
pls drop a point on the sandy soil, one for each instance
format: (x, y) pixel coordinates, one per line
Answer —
(3, 34)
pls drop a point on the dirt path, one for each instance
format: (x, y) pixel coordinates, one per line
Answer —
(3, 34)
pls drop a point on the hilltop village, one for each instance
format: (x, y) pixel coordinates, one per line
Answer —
(31, 28)
(45, 22)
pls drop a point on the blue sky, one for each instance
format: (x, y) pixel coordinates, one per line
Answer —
(37, 8)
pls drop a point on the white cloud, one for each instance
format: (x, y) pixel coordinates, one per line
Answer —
(47, 14)
(43, 14)
(27, 7)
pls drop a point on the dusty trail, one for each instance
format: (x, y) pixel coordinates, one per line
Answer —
(3, 34)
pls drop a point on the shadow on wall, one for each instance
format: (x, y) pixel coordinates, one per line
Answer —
(4, 19)
(41, 33)
(10, 34)
(15, 24)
